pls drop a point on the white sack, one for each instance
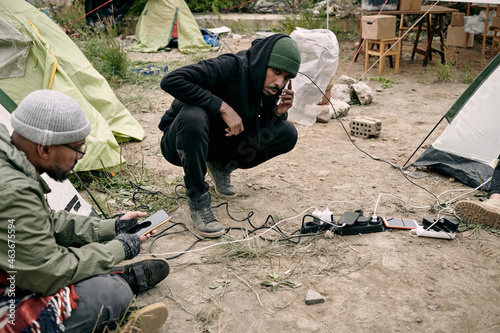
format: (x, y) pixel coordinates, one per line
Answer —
(319, 50)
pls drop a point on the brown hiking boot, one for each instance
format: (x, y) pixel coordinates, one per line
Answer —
(148, 319)
(487, 212)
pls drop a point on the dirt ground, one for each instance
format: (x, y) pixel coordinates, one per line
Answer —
(385, 281)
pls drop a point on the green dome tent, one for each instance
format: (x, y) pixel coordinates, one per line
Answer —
(36, 54)
(158, 22)
(469, 146)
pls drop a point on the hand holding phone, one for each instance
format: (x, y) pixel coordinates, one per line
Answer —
(150, 223)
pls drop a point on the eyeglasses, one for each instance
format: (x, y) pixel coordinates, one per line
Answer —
(80, 152)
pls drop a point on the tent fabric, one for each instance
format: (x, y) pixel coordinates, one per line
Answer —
(75, 76)
(466, 171)
(7, 102)
(156, 25)
(14, 49)
(469, 146)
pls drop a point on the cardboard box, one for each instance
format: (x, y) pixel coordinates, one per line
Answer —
(457, 19)
(456, 37)
(410, 4)
(495, 22)
(378, 27)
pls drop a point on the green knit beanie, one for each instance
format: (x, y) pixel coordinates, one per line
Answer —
(285, 55)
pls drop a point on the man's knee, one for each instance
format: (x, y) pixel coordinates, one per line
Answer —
(102, 299)
(291, 136)
(193, 119)
(285, 136)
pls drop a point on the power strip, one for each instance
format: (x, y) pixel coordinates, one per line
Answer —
(363, 225)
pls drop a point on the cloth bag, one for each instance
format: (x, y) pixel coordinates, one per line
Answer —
(319, 50)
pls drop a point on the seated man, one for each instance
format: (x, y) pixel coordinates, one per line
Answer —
(229, 112)
(55, 266)
(487, 212)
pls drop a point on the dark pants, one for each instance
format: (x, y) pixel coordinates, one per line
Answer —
(495, 180)
(102, 300)
(193, 139)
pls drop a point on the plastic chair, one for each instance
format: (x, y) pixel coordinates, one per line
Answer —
(221, 34)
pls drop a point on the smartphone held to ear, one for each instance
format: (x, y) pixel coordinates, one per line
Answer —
(150, 223)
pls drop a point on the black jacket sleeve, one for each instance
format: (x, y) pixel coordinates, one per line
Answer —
(195, 84)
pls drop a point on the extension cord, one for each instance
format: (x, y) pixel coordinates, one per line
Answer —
(422, 232)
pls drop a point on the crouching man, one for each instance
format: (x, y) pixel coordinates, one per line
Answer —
(229, 113)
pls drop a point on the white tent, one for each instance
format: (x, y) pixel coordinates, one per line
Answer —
(469, 147)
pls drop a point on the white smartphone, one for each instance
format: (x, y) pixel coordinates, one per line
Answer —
(282, 93)
(150, 223)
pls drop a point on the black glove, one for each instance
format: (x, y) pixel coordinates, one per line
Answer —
(131, 244)
(122, 226)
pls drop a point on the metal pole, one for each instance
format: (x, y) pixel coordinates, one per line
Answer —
(327, 14)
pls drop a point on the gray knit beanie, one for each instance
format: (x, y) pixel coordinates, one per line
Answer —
(49, 117)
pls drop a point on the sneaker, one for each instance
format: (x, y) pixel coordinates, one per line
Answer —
(222, 179)
(143, 275)
(487, 212)
(204, 220)
(148, 319)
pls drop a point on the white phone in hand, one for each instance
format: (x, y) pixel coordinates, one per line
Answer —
(150, 223)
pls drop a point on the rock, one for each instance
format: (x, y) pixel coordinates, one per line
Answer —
(323, 113)
(417, 175)
(341, 108)
(342, 92)
(313, 297)
(348, 80)
(363, 92)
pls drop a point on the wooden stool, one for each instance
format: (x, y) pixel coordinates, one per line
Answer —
(383, 46)
(495, 39)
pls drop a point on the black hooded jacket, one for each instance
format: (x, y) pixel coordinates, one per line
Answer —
(237, 79)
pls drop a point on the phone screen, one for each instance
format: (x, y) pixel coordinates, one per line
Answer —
(348, 218)
(400, 223)
(150, 223)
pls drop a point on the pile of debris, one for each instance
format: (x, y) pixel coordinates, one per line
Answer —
(341, 96)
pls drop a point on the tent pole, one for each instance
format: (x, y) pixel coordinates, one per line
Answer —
(420, 145)
(327, 16)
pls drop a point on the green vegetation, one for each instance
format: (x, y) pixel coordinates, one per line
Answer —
(208, 6)
(107, 55)
(467, 77)
(386, 82)
(133, 186)
(66, 15)
(302, 16)
(443, 71)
